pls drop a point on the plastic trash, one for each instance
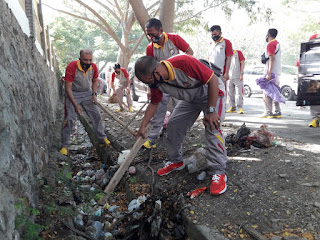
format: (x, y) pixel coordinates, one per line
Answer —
(97, 230)
(132, 170)
(135, 203)
(197, 162)
(98, 212)
(196, 192)
(123, 155)
(289, 147)
(78, 220)
(202, 176)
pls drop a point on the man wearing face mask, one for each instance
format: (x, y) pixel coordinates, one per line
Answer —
(81, 82)
(124, 83)
(199, 90)
(220, 51)
(162, 46)
(273, 65)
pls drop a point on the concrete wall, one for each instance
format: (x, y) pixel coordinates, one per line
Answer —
(28, 113)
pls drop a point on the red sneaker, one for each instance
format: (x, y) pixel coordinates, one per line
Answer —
(218, 184)
(169, 167)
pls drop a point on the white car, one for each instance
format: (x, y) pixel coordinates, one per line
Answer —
(288, 81)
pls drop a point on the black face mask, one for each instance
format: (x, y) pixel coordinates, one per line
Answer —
(117, 72)
(156, 82)
(267, 39)
(215, 38)
(85, 65)
(156, 39)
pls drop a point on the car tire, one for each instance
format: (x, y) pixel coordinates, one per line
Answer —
(247, 91)
(287, 93)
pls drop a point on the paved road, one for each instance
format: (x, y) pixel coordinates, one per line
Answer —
(293, 124)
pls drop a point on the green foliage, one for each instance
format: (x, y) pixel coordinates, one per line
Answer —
(31, 230)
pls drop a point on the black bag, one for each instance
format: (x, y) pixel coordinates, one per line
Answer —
(264, 59)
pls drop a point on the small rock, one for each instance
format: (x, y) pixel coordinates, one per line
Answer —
(283, 175)
(276, 238)
(73, 237)
(317, 204)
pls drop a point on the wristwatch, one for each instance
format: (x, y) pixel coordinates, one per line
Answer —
(211, 109)
(94, 93)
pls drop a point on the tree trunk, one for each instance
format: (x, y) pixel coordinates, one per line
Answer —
(140, 12)
(167, 14)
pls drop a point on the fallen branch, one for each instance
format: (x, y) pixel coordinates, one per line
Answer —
(254, 233)
(101, 150)
(108, 111)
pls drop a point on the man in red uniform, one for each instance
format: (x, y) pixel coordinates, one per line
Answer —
(235, 90)
(220, 51)
(124, 84)
(162, 46)
(81, 83)
(187, 79)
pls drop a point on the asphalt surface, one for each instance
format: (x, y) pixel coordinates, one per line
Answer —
(294, 123)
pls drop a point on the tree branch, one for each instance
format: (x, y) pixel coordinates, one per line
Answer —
(109, 10)
(110, 30)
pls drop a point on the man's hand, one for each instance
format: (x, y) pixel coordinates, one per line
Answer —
(268, 77)
(226, 77)
(213, 120)
(141, 132)
(78, 109)
(94, 98)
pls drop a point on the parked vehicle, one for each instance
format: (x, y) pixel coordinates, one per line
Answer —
(309, 74)
(288, 81)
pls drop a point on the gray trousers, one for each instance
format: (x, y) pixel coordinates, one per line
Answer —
(83, 99)
(119, 91)
(181, 120)
(268, 101)
(315, 111)
(235, 93)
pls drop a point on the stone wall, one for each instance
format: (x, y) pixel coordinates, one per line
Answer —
(29, 101)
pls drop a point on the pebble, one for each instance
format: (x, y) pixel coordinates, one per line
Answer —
(283, 175)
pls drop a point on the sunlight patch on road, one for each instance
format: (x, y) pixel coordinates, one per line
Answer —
(247, 159)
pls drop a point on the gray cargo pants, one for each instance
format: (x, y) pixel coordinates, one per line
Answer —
(235, 93)
(181, 120)
(268, 101)
(119, 91)
(83, 99)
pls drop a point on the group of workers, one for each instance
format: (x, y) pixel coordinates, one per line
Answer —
(195, 87)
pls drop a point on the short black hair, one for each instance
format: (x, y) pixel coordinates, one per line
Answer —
(273, 32)
(215, 27)
(153, 22)
(117, 65)
(144, 66)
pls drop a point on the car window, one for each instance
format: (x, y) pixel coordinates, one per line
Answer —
(312, 55)
(258, 71)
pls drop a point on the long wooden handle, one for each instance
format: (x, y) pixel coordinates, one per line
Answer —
(108, 111)
(125, 164)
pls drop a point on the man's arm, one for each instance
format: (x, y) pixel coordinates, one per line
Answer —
(270, 66)
(69, 93)
(94, 89)
(149, 113)
(189, 51)
(241, 70)
(226, 73)
(213, 91)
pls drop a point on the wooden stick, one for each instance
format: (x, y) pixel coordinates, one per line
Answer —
(254, 233)
(131, 120)
(108, 111)
(126, 163)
